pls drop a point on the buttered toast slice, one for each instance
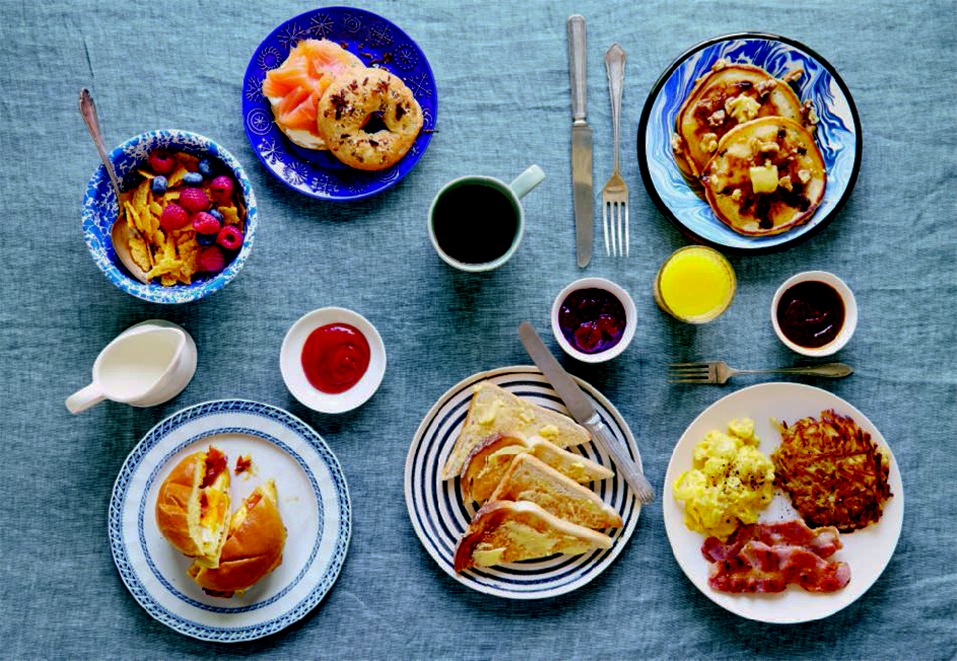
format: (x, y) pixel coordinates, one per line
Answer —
(488, 462)
(494, 409)
(532, 480)
(504, 531)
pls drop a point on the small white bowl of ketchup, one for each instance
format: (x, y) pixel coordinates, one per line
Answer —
(332, 360)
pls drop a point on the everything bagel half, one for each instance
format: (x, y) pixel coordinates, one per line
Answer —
(347, 106)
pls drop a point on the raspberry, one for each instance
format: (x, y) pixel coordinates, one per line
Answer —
(211, 259)
(174, 217)
(194, 199)
(205, 223)
(161, 161)
(230, 237)
(221, 188)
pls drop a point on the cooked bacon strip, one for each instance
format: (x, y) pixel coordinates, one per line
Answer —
(763, 568)
(767, 557)
(822, 541)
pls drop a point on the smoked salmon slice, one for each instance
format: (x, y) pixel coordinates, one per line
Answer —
(294, 88)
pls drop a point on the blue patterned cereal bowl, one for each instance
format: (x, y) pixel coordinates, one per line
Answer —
(100, 210)
(838, 135)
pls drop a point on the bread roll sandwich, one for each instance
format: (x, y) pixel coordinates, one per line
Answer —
(253, 546)
(192, 506)
(488, 462)
(505, 531)
(494, 409)
(530, 479)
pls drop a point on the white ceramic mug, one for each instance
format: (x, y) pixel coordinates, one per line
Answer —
(147, 364)
(521, 186)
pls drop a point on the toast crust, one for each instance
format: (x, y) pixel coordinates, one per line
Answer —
(494, 409)
(504, 531)
(531, 480)
(488, 462)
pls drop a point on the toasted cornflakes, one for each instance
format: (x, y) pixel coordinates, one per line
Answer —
(173, 257)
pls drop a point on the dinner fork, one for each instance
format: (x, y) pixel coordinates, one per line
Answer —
(614, 196)
(717, 371)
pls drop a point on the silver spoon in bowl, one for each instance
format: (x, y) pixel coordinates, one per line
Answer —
(120, 233)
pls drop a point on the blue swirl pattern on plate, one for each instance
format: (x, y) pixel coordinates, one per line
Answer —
(100, 209)
(374, 40)
(838, 135)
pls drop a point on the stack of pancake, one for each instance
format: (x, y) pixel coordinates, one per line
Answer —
(747, 139)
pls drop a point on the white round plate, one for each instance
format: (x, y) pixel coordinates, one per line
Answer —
(313, 501)
(439, 516)
(867, 551)
(290, 361)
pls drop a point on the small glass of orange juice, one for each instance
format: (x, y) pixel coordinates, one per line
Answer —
(695, 285)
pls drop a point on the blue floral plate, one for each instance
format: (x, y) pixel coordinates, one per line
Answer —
(313, 502)
(375, 41)
(100, 208)
(838, 135)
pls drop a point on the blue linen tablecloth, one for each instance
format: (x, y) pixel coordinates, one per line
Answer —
(502, 75)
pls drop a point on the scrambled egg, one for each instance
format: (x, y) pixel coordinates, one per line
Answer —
(730, 482)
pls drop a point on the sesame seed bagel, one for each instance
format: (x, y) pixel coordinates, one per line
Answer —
(346, 107)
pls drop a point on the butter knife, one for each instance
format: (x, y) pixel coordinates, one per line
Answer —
(583, 411)
(581, 142)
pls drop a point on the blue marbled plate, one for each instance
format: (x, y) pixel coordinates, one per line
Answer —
(100, 209)
(838, 135)
(375, 41)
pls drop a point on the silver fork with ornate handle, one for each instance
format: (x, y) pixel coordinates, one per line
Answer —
(614, 196)
(717, 371)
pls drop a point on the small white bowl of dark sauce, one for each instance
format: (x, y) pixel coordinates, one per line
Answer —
(593, 320)
(814, 313)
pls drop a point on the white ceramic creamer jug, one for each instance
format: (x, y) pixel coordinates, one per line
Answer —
(147, 364)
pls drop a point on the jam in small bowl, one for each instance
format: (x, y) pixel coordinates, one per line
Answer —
(814, 313)
(593, 319)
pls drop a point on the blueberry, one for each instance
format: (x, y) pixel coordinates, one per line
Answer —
(205, 239)
(215, 214)
(205, 168)
(192, 178)
(158, 185)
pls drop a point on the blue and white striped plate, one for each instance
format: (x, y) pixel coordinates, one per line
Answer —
(313, 501)
(838, 135)
(440, 517)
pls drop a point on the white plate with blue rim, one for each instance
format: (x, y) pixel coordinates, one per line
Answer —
(313, 502)
(838, 135)
(440, 517)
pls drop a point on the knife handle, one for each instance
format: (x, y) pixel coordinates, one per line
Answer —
(576, 65)
(629, 469)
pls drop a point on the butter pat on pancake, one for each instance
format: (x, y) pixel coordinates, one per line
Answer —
(766, 177)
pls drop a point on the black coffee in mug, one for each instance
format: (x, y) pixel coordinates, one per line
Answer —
(475, 222)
